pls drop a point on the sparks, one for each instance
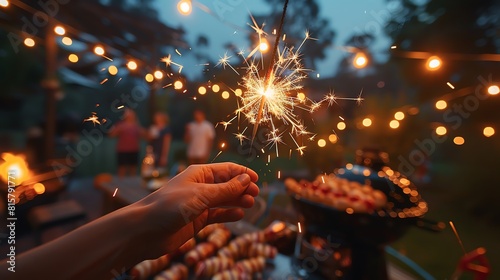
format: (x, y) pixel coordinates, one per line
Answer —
(168, 61)
(116, 190)
(241, 136)
(224, 61)
(94, 119)
(104, 81)
(120, 107)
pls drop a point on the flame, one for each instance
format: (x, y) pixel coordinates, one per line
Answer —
(14, 168)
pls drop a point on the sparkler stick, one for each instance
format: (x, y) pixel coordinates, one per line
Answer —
(458, 237)
(269, 71)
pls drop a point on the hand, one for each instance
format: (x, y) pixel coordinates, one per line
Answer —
(201, 195)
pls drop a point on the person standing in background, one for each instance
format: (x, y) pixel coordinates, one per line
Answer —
(129, 133)
(199, 136)
(160, 137)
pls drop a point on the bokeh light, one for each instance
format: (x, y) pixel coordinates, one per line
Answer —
(394, 124)
(441, 130)
(488, 131)
(399, 115)
(441, 104)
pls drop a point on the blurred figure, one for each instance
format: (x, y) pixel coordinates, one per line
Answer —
(199, 136)
(160, 137)
(129, 133)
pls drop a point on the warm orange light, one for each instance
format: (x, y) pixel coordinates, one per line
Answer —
(178, 85)
(132, 65)
(341, 126)
(29, 42)
(493, 90)
(441, 105)
(399, 115)
(225, 94)
(333, 138)
(321, 143)
(367, 122)
(4, 3)
(488, 131)
(99, 50)
(458, 140)
(215, 88)
(394, 124)
(67, 41)
(113, 70)
(59, 30)
(360, 60)
(14, 169)
(202, 90)
(433, 63)
(263, 46)
(149, 78)
(238, 92)
(39, 188)
(73, 58)
(441, 130)
(158, 74)
(301, 96)
(184, 7)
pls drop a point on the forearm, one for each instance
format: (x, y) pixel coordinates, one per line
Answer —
(94, 251)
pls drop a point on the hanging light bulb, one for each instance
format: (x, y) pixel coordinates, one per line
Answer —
(185, 7)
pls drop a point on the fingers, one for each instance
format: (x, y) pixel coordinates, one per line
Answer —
(223, 172)
(221, 215)
(214, 195)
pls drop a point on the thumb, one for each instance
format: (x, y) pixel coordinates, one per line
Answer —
(227, 191)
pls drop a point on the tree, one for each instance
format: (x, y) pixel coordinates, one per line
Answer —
(301, 16)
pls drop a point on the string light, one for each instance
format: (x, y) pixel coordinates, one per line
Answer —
(59, 30)
(4, 3)
(178, 85)
(184, 7)
(113, 70)
(99, 50)
(29, 42)
(238, 92)
(202, 90)
(394, 124)
(441, 104)
(67, 41)
(459, 140)
(149, 78)
(367, 122)
(73, 58)
(433, 63)
(321, 143)
(158, 74)
(333, 138)
(132, 65)
(441, 130)
(493, 90)
(360, 60)
(215, 88)
(225, 94)
(488, 131)
(341, 126)
(399, 115)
